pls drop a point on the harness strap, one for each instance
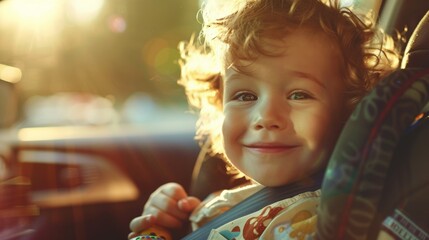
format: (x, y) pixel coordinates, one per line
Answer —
(257, 201)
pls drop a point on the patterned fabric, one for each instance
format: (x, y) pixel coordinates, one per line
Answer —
(214, 206)
(355, 175)
(292, 218)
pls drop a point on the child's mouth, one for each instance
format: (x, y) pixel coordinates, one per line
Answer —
(270, 147)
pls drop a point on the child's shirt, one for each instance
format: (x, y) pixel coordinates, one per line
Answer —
(292, 218)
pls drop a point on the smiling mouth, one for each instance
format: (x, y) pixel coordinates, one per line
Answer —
(270, 148)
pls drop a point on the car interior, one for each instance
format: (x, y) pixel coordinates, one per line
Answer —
(384, 140)
(89, 186)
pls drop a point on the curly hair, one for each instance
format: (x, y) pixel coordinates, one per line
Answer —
(235, 30)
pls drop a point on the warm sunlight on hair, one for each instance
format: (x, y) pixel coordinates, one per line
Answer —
(235, 30)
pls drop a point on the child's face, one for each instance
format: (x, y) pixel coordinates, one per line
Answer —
(283, 115)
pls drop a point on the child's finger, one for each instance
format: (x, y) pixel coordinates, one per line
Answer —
(132, 235)
(166, 204)
(188, 204)
(174, 190)
(163, 219)
(138, 224)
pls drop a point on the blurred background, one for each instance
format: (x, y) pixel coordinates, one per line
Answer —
(92, 119)
(94, 62)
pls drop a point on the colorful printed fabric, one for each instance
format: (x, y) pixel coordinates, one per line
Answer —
(217, 204)
(292, 218)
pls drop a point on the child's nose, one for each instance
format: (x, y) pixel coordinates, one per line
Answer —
(271, 116)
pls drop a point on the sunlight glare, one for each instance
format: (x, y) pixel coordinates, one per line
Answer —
(10, 74)
(33, 10)
(32, 26)
(83, 11)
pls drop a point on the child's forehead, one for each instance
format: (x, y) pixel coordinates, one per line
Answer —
(240, 58)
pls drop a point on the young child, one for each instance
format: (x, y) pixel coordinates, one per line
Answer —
(275, 80)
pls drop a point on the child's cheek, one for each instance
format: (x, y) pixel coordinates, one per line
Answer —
(226, 130)
(232, 128)
(321, 133)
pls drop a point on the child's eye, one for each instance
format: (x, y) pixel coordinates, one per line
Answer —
(245, 96)
(300, 95)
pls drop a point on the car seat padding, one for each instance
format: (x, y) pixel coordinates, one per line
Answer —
(359, 164)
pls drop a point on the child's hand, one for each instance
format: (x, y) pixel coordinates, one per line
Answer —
(168, 207)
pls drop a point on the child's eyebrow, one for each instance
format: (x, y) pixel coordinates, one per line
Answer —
(309, 77)
(294, 73)
(236, 75)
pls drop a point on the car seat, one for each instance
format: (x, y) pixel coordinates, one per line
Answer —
(212, 173)
(384, 140)
(377, 178)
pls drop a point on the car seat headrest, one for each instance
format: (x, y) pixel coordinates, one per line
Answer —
(356, 179)
(416, 53)
(357, 169)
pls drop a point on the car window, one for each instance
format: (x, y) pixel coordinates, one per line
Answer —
(71, 72)
(99, 62)
(95, 62)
